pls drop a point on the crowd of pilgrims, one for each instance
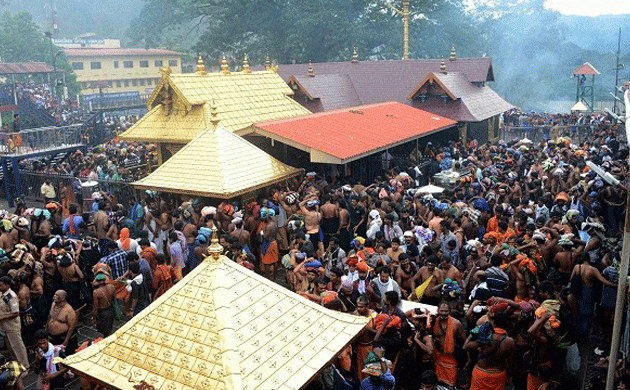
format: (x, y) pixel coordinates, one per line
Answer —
(517, 264)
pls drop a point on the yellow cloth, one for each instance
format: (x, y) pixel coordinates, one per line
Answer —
(420, 289)
(48, 191)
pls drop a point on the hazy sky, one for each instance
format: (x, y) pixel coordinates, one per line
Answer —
(590, 7)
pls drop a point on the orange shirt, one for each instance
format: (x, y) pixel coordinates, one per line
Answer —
(493, 225)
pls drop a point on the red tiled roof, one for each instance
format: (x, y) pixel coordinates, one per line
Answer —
(349, 134)
(471, 103)
(123, 51)
(24, 68)
(586, 69)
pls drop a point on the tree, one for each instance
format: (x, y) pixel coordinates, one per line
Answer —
(21, 40)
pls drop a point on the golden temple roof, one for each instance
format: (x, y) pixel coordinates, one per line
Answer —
(222, 327)
(217, 164)
(242, 99)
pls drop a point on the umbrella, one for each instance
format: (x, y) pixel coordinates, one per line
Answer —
(431, 189)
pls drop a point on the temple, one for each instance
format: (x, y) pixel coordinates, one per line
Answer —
(222, 327)
(180, 105)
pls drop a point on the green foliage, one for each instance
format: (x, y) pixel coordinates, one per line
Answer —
(21, 40)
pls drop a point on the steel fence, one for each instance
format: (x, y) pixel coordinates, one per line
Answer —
(537, 133)
(32, 182)
(40, 139)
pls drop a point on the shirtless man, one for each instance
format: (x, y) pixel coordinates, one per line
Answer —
(343, 231)
(565, 260)
(394, 252)
(103, 312)
(312, 219)
(448, 271)
(432, 272)
(330, 218)
(496, 351)
(240, 232)
(405, 275)
(101, 226)
(6, 240)
(62, 322)
(447, 333)
(71, 277)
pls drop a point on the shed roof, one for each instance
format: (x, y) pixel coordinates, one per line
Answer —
(222, 327)
(217, 164)
(586, 69)
(348, 134)
(24, 67)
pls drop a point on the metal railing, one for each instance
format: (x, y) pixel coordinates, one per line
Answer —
(40, 139)
(133, 101)
(32, 182)
(537, 133)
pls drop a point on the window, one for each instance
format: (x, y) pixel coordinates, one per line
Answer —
(128, 64)
(77, 65)
(116, 64)
(158, 63)
(84, 85)
(118, 84)
(142, 82)
(149, 81)
(157, 81)
(172, 62)
(95, 65)
(126, 83)
(144, 64)
(134, 83)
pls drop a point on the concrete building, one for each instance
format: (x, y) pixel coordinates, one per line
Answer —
(102, 66)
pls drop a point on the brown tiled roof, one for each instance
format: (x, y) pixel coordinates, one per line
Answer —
(24, 68)
(470, 103)
(586, 69)
(123, 51)
(336, 89)
(379, 81)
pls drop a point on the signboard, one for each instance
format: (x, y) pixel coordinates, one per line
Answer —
(82, 42)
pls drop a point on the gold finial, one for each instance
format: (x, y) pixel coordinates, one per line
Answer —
(201, 68)
(355, 56)
(246, 65)
(442, 66)
(166, 71)
(453, 56)
(267, 64)
(311, 72)
(215, 249)
(225, 69)
(215, 114)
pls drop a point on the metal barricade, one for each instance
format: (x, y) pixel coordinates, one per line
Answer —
(537, 133)
(40, 139)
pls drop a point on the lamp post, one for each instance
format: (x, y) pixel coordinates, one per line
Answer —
(53, 55)
(623, 271)
(405, 15)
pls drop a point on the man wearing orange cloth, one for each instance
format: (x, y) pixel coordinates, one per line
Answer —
(496, 350)
(447, 331)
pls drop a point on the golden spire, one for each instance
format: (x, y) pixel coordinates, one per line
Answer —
(166, 71)
(246, 65)
(453, 56)
(215, 114)
(225, 69)
(267, 64)
(442, 66)
(201, 68)
(311, 72)
(355, 56)
(215, 249)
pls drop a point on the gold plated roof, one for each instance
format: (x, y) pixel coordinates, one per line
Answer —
(242, 100)
(217, 164)
(222, 327)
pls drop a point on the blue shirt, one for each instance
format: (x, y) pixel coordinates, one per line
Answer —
(117, 262)
(386, 382)
(77, 219)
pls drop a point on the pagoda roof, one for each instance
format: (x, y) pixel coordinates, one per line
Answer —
(222, 327)
(586, 69)
(579, 106)
(242, 100)
(335, 91)
(472, 103)
(349, 134)
(217, 164)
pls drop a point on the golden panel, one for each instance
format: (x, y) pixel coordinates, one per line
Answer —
(278, 340)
